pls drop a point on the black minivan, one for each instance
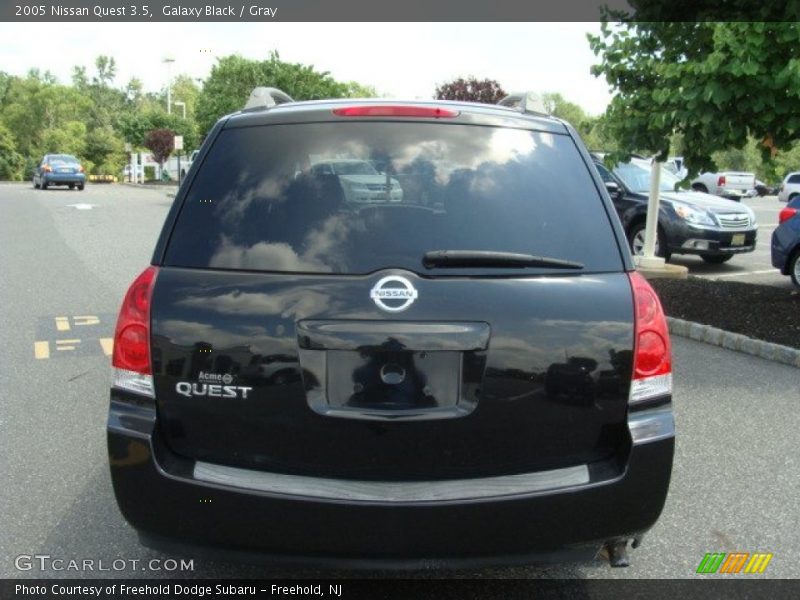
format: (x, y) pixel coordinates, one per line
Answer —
(463, 371)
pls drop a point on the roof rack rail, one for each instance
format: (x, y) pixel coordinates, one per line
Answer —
(266, 97)
(525, 102)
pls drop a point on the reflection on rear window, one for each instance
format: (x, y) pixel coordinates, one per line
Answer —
(357, 197)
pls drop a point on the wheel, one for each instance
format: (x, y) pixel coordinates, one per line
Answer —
(72, 186)
(794, 268)
(44, 184)
(716, 259)
(81, 186)
(699, 187)
(636, 238)
(35, 185)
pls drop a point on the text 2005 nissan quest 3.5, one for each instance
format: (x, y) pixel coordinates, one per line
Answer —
(446, 360)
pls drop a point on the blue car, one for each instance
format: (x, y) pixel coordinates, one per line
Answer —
(59, 169)
(786, 241)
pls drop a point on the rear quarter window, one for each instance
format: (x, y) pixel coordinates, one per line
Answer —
(356, 197)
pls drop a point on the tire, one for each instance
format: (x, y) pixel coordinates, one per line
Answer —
(794, 268)
(35, 185)
(44, 184)
(72, 186)
(81, 186)
(716, 259)
(699, 187)
(636, 241)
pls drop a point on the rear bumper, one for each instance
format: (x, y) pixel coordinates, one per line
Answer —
(61, 178)
(174, 505)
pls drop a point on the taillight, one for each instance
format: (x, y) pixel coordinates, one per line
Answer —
(652, 359)
(131, 358)
(721, 181)
(386, 110)
(786, 214)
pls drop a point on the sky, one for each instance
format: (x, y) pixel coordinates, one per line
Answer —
(403, 60)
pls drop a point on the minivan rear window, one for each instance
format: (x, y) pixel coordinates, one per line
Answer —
(357, 197)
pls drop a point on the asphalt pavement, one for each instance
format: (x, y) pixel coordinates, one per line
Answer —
(66, 259)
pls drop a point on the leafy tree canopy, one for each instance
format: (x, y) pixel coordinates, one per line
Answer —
(160, 143)
(233, 78)
(713, 83)
(471, 89)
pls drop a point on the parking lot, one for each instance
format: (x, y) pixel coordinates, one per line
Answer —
(67, 258)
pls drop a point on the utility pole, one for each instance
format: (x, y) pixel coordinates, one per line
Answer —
(168, 61)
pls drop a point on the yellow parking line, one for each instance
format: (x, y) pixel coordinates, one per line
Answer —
(41, 350)
(107, 345)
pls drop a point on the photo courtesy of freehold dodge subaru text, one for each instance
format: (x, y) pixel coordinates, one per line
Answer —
(391, 334)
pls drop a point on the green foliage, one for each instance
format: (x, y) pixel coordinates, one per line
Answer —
(93, 119)
(233, 78)
(12, 163)
(106, 150)
(471, 89)
(716, 84)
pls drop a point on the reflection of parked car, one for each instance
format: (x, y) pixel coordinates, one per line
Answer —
(688, 223)
(59, 169)
(360, 180)
(786, 241)
(728, 184)
(790, 187)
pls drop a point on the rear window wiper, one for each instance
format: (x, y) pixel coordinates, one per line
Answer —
(489, 258)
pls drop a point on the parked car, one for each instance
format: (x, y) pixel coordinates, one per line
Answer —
(676, 166)
(59, 169)
(417, 342)
(786, 241)
(790, 188)
(360, 180)
(688, 222)
(727, 184)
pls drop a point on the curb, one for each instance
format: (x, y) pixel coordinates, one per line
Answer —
(734, 341)
(146, 186)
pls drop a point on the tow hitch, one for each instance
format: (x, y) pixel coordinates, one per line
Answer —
(617, 551)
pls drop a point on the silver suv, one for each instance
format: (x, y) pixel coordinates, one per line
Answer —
(790, 187)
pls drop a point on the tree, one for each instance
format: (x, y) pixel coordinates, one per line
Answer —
(233, 78)
(160, 142)
(105, 150)
(12, 163)
(713, 83)
(471, 89)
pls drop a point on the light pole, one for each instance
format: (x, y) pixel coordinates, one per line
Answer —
(168, 61)
(183, 106)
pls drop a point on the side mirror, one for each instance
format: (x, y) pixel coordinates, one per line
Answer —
(613, 189)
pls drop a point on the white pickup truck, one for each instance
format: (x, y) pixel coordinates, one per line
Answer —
(728, 184)
(171, 166)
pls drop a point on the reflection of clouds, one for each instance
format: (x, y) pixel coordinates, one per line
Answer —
(268, 256)
(298, 302)
(545, 344)
(232, 207)
(188, 333)
(327, 244)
